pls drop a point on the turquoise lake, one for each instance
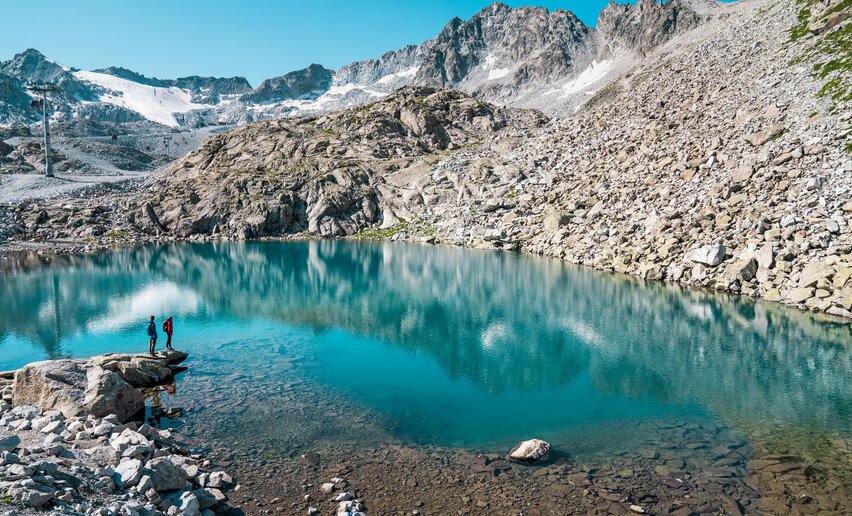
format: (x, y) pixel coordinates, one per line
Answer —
(435, 345)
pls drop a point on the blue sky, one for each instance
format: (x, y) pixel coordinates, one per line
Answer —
(252, 38)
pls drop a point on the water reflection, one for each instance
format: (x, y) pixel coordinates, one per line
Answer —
(501, 321)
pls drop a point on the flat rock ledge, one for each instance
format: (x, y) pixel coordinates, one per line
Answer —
(98, 386)
(60, 453)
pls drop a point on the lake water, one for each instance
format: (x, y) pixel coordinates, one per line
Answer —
(357, 343)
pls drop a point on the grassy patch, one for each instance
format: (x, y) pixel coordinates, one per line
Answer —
(364, 108)
(416, 227)
(640, 78)
(5, 498)
(800, 29)
(831, 53)
(115, 234)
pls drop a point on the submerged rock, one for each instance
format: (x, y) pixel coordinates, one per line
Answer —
(531, 450)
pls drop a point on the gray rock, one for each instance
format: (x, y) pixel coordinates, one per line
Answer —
(76, 388)
(165, 476)
(10, 443)
(218, 480)
(189, 505)
(34, 496)
(711, 255)
(128, 473)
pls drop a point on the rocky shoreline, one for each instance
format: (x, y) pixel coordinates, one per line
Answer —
(73, 440)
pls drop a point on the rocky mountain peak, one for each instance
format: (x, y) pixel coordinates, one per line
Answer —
(502, 43)
(645, 25)
(307, 82)
(32, 65)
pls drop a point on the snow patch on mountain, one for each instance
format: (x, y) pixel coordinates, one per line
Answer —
(154, 103)
(489, 63)
(404, 74)
(593, 73)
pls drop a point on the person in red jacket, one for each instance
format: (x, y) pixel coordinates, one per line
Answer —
(168, 329)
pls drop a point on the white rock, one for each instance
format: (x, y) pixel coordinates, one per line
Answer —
(533, 449)
(711, 255)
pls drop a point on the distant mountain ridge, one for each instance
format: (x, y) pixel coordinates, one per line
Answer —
(526, 56)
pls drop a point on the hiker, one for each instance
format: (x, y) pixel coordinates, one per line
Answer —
(168, 329)
(152, 336)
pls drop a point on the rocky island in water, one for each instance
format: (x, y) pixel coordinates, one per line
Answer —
(529, 266)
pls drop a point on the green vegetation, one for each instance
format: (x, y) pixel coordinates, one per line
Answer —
(363, 108)
(5, 498)
(416, 227)
(800, 29)
(831, 53)
(115, 234)
(640, 78)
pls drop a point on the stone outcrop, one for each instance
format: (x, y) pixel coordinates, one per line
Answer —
(331, 176)
(106, 384)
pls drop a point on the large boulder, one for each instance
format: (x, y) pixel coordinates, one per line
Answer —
(142, 370)
(531, 450)
(711, 255)
(128, 473)
(76, 388)
(8, 444)
(165, 475)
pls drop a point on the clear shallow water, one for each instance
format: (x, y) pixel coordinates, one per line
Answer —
(436, 345)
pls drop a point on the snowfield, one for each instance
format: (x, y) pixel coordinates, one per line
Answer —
(489, 63)
(404, 74)
(154, 103)
(589, 76)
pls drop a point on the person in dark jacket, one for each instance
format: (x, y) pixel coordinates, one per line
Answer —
(168, 329)
(152, 336)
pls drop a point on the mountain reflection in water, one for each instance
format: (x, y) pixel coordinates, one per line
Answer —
(503, 322)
